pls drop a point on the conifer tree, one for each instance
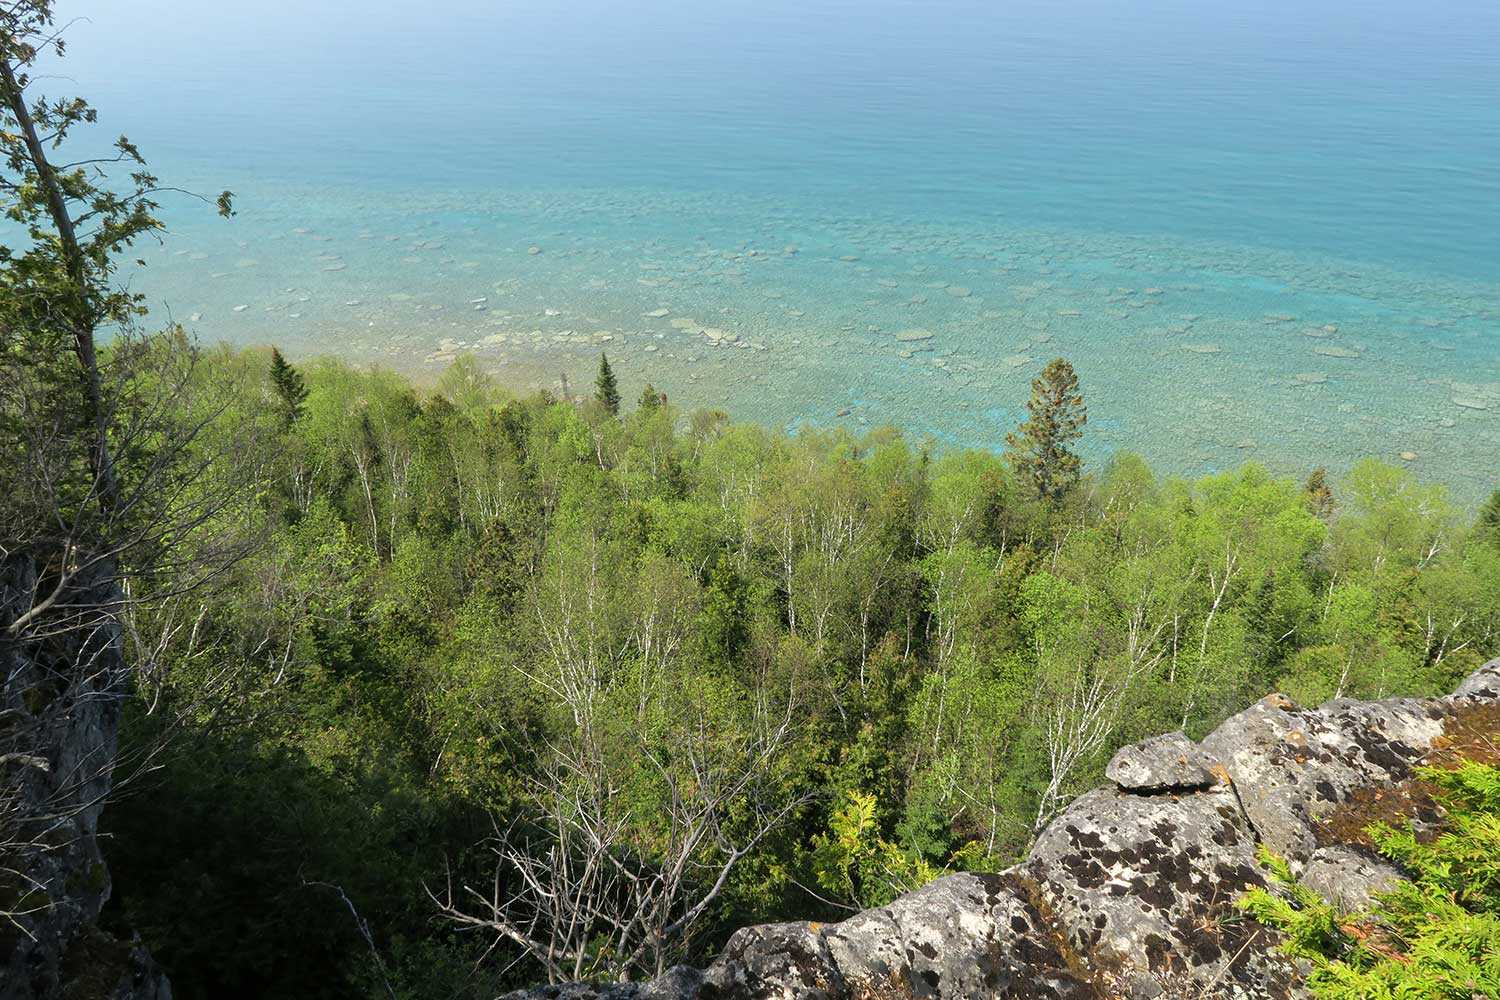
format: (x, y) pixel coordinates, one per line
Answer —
(605, 389)
(1489, 518)
(651, 399)
(1039, 448)
(1319, 493)
(291, 391)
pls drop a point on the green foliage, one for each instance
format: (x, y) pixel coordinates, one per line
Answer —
(1489, 519)
(291, 390)
(1319, 493)
(438, 615)
(1435, 935)
(87, 460)
(854, 862)
(454, 588)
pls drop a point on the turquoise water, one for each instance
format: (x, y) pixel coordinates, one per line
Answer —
(1265, 230)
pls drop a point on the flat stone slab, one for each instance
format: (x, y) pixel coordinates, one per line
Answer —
(1166, 763)
(913, 336)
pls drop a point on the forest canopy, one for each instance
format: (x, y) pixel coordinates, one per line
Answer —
(434, 691)
(530, 688)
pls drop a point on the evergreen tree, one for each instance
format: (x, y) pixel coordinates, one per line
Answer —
(605, 389)
(1039, 449)
(651, 399)
(1489, 519)
(291, 391)
(1319, 493)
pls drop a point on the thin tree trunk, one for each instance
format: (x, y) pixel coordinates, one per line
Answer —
(81, 319)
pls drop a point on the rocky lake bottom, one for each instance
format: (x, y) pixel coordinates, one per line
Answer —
(1198, 356)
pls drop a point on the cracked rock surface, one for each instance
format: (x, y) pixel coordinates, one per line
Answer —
(1147, 887)
(1130, 891)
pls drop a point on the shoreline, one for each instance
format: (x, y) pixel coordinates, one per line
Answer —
(1098, 447)
(1196, 354)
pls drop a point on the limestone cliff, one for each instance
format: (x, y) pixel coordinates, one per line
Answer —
(63, 688)
(1131, 891)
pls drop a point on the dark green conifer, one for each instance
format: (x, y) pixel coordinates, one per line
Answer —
(1039, 448)
(291, 391)
(651, 400)
(605, 389)
(1489, 518)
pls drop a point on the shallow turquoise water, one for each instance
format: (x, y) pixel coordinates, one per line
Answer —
(1267, 233)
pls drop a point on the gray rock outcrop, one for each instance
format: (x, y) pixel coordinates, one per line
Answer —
(1131, 890)
(1169, 763)
(60, 703)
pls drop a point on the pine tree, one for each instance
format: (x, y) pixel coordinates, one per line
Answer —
(651, 400)
(1039, 449)
(291, 391)
(1319, 494)
(605, 389)
(1489, 518)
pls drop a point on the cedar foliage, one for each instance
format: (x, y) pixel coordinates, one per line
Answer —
(1435, 935)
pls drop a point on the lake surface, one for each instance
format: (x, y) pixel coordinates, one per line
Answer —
(1264, 231)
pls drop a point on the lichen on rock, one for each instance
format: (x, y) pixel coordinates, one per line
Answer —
(1131, 890)
(1165, 763)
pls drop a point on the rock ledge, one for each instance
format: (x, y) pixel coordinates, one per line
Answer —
(1130, 891)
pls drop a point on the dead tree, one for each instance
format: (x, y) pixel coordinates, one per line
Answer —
(585, 892)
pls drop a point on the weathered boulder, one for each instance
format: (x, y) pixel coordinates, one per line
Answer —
(1348, 875)
(1131, 890)
(962, 936)
(1292, 766)
(1145, 887)
(1170, 762)
(1483, 683)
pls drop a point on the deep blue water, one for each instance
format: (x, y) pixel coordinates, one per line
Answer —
(1261, 230)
